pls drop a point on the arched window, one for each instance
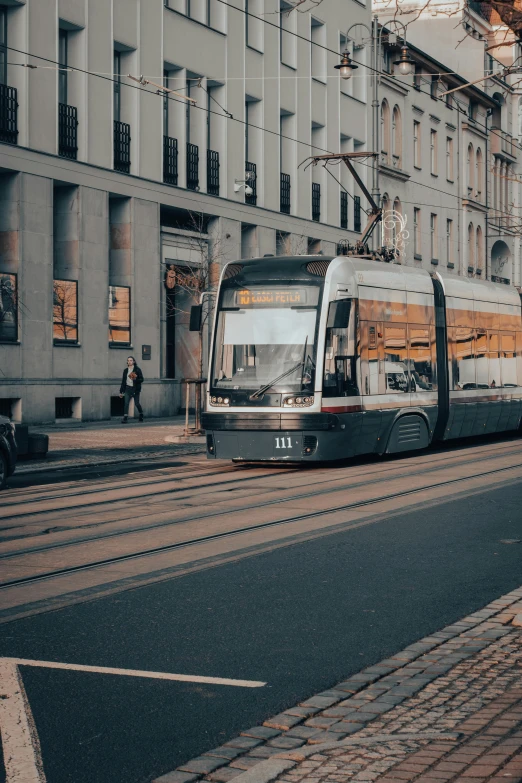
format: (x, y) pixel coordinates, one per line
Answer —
(471, 170)
(480, 249)
(397, 137)
(478, 172)
(385, 131)
(471, 249)
(386, 221)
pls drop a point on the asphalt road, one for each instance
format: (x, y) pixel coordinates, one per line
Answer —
(301, 618)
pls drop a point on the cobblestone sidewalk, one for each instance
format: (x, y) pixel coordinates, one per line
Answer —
(448, 708)
(103, 443)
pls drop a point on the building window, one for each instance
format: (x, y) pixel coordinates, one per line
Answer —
(63, 60)
(396, 137)
(117, 86)
(449, 241)
(433, 237)
(480, 251)
(416, 232)
(449, 100)
(478, 173)
(416, 144)
(449, 158)
(417, 78)
(471, 170)
(254, 24)
(434, 87)
(318, 50)
(65, 311)
(433, 152)
(357, 213)
(472, 110)
(287, 40)
(8, 308)
(119, 315)
(385, 131)
(3, 44)
(471, 249)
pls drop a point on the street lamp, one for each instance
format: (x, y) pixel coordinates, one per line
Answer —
(346, 66)
(405, 63)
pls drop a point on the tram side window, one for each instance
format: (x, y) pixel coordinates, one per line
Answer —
(494, 377)
(508, 359)
(420, 363)
(339, 360)
(396, 359)
(482, 360)
(463, 359)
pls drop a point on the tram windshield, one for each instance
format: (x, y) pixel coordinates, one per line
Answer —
(265, 332)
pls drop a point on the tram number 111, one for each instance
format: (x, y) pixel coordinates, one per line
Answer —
(283, 443)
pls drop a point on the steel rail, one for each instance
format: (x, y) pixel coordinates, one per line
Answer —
(211, 514)
(289, 466)
(247, 529)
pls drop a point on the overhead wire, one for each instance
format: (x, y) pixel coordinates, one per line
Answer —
(228, 115)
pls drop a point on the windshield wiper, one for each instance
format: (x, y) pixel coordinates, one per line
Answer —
(259, 393)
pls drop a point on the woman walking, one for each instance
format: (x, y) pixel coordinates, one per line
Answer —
(131, 387)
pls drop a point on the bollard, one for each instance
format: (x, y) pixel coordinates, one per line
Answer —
(198, 393)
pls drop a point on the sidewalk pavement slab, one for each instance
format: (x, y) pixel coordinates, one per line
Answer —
(447, 709)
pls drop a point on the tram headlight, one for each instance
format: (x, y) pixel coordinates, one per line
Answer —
(219, 401)
(298, 402)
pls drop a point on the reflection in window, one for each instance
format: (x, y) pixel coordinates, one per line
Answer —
(508, 360)
(482, 360)
(395, 359)
(464, 370)
(65, 311)
(8, 308)
(119, 314)
(339, 360)
(421, 366)
(494, 361)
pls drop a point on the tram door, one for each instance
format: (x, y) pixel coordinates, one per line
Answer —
(373, 379)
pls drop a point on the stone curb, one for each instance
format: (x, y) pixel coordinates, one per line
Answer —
(332, 715)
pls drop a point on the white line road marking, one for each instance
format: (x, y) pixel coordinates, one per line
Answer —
(137, 673)
(21, 748)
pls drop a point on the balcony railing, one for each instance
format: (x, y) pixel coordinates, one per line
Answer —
(344, 209)
(251, 170)
(285, 194)
(316, 201)
(122, 143)
(192, 166)
(357, 213)
(213, 172)
(67, 131)
(8, 114)
(170, 160)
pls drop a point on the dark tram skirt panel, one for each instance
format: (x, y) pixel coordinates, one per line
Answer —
(316, 437)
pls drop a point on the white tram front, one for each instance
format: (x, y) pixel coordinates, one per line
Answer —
(317, 358)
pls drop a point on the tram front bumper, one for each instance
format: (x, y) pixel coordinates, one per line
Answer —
(280, 437)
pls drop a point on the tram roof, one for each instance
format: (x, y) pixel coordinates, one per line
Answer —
(479, 290)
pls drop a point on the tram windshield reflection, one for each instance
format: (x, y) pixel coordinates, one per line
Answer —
(261, 335)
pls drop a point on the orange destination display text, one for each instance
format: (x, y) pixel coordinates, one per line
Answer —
(267, 297)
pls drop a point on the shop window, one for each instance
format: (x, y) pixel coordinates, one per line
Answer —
(8, 308)
(65, 311)
(119, 315)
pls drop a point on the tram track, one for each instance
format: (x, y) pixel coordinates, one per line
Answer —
(75, 569)
(431, 467)
(426, 466)
(383, 468)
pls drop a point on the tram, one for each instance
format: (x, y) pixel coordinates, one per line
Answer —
(319, 358)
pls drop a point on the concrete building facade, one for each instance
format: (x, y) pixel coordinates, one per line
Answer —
(114, 195)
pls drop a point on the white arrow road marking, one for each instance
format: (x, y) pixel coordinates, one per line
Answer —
(22, 757)
(138, 673)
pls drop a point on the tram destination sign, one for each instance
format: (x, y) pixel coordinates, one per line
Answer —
(276, 297)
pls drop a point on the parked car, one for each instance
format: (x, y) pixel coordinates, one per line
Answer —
(8, 450)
